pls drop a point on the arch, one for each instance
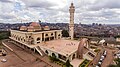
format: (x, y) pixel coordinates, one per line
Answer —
(16, 37)
(32, 41)
(21, 39)
(46, 52)
(51, 34)
(29, 36)
(81, 46)
(59, 35)
(73, 57)
(24, 40)
(46, 34)
(38, 39)
(53, 55)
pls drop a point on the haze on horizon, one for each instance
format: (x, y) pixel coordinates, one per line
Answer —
(87, 11)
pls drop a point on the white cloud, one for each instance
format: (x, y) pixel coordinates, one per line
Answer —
(87, 11)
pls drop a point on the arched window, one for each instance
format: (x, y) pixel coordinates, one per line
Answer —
(38, 39)
(46, 35)
(46, 52)
(24, 40)
(29, 36)
(51, 34)
(73, 56)
(59, 35)
(18, 38)
(53, 55)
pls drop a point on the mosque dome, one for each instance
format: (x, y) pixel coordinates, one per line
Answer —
(30, 29)
(36, 26)
(23, 28)
(46, 28)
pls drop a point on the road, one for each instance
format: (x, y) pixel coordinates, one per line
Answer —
(109, 58)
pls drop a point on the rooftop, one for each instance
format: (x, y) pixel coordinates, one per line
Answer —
(64, 47)
(36, 31)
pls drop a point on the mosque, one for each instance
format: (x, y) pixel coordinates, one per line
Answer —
(50, 42)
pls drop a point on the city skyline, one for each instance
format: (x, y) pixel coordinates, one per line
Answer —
(87, 11)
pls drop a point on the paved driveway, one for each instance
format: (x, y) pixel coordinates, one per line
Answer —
(109, 58)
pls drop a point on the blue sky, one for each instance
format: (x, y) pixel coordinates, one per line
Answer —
(87, 11)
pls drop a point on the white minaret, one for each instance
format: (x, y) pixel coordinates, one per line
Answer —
(71, 24)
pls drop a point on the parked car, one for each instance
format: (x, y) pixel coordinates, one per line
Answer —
(97, 66)
(101, 60)
(99, 63)
(3, 60)
(105, 53)
(102, 57)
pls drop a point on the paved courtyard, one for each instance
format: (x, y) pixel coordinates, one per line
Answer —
(76, 62)
(20, 58)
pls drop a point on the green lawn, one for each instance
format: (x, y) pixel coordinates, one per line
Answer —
(4, 35)
(84, 63)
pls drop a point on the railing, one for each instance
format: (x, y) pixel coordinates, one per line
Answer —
(40, 51)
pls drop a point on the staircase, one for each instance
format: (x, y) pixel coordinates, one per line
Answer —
(40, 51)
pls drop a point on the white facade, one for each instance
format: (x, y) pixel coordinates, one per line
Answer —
(71, 24)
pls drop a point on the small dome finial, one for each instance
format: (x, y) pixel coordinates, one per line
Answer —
(72, 3)
(72, 6)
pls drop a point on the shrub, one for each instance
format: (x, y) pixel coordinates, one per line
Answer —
(84, 63)
(67, 63)
(96, 50)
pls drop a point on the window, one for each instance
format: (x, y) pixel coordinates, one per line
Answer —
(73, 56)
(46, 52)
(38, 39)
(24, 40)
(46, 35)
(91, 54)
(59, 35)
(62, 57)
(29, 36)
(53, 55)
(51, 34)
(18, 38)
(38, 42)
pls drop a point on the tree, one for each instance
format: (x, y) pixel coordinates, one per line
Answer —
(117, 63)
(68, 63)
(111, 65)
(65, 33)
(4, 34)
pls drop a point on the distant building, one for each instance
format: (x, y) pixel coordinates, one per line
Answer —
(118, 39)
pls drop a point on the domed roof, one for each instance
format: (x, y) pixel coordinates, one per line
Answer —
(46, 28)
(23, 28)
(34, 24)
(30, 28)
